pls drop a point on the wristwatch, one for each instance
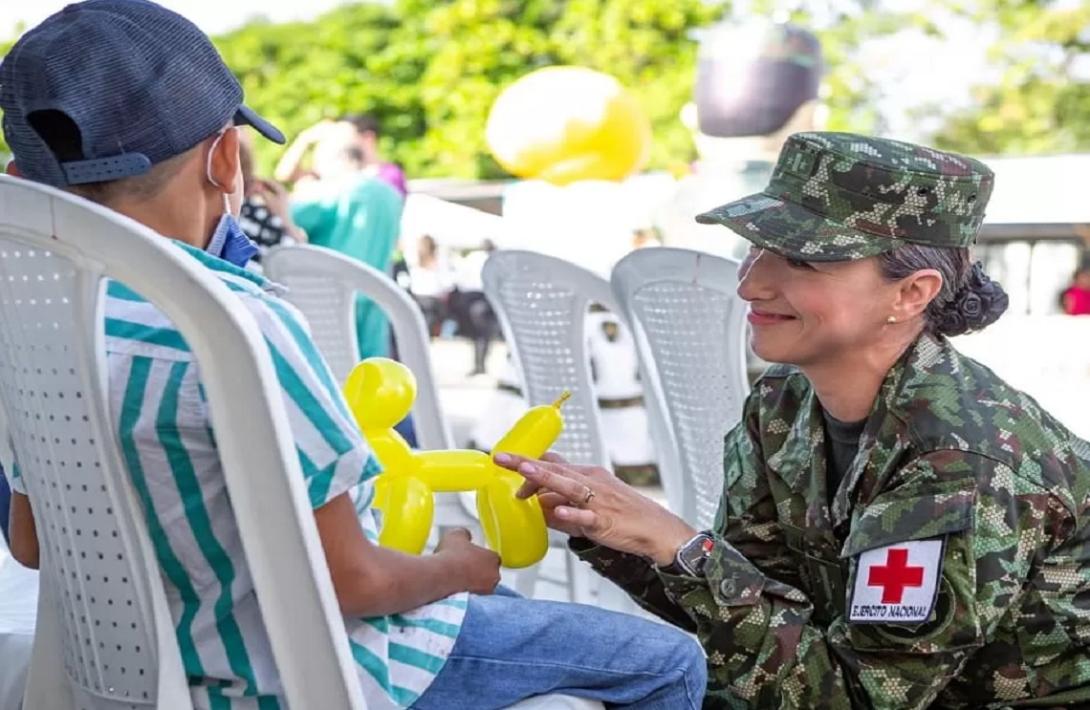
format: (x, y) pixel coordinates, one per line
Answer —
(691, 558)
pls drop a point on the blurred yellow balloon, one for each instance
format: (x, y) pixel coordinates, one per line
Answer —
(563, 124)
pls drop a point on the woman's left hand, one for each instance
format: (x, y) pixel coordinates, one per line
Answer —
(591, 502)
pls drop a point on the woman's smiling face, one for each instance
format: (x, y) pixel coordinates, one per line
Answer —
(806, 313)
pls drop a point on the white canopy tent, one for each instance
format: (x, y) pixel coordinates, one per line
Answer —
(449, 223)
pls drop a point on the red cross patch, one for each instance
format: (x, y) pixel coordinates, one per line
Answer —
(896, 584)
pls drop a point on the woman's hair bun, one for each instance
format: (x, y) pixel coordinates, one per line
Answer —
(977, 304)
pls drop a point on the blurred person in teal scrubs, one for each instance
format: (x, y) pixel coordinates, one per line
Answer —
(353, 211)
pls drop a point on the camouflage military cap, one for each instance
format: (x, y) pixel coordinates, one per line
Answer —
(840, 196)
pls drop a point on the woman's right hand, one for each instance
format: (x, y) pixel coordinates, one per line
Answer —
(477, 567)
(590, 502)
(549, 502)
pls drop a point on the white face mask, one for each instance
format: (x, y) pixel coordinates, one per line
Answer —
(232, 203)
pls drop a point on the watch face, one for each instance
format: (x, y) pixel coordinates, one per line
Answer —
(694, 554)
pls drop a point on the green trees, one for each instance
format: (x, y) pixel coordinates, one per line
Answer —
(430, 69)
(1042, 102)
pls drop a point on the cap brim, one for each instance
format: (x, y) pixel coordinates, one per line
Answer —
(248, 117)
(795, 231)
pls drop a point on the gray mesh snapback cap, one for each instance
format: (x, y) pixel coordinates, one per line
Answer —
(128, 81)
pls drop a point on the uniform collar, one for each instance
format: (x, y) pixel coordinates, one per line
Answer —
(886, 434)
(800, 462)
(929, 363)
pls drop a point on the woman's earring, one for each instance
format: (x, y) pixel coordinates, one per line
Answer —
(891, 319)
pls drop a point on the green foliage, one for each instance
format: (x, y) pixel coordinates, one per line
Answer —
(4, 151)
(295, 74)
(429, 70)
(1037, 106)
(850, 91)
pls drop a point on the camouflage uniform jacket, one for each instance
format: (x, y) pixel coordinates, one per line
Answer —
(949, 453)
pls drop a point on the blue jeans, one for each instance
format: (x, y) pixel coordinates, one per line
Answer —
(511, 648)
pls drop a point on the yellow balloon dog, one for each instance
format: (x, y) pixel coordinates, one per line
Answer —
(380, 393)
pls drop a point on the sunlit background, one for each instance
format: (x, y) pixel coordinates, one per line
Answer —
(1006, 80)
(984, 76)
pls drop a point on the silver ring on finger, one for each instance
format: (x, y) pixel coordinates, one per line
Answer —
(587, 496)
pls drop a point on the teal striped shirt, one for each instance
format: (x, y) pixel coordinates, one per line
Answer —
(169, 446)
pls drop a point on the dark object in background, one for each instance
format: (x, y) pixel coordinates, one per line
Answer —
(752, 78)
(476, 321)
(5, 505)
(434, 310)
(262, 226)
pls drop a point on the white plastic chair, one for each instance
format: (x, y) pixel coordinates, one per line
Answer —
(104, 637)
(689, 326)
(323, 285)
(541, 303)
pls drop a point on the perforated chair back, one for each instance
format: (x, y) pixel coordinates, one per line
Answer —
(542, 303)
(105, 638)
(323, 285)
(689, 326)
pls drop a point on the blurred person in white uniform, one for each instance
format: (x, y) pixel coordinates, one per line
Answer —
(469, 307)
(430, 282)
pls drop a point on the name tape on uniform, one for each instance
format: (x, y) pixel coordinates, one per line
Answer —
(896, 584)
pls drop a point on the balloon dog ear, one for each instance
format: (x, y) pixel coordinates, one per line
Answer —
(380, 392)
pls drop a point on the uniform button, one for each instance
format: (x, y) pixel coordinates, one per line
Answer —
(726, 587)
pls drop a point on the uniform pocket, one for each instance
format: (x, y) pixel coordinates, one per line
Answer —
(900, 517)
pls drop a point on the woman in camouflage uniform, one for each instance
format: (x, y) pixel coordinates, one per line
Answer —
(899, 527)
